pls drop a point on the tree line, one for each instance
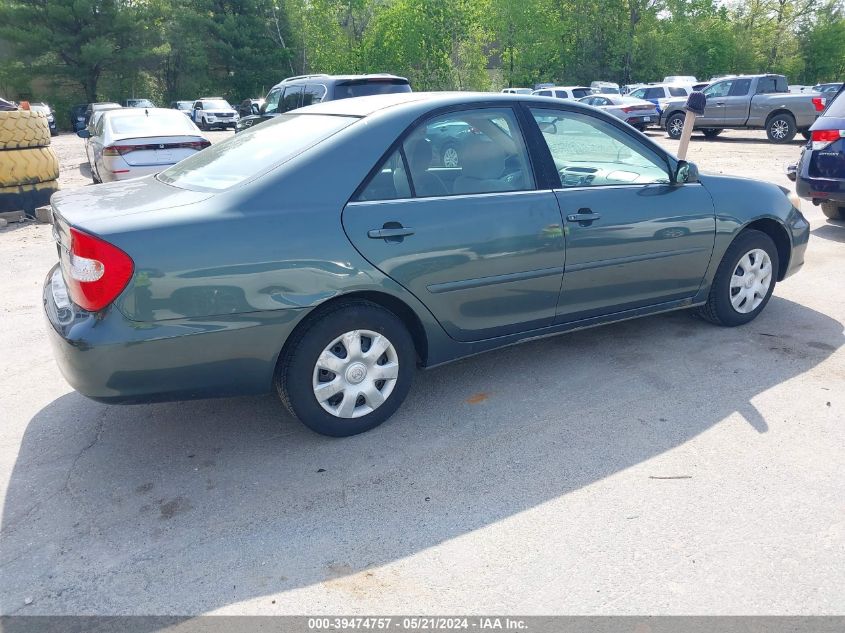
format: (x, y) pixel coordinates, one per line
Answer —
(88, 50)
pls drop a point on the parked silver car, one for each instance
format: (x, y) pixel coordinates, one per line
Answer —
(133, 142)
(638, 113)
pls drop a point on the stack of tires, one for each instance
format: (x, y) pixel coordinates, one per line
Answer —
(28, 165)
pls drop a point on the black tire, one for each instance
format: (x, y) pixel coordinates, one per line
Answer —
(296, 370)
(203, 125)
(718, 308)
(711, 132)
(675, 125)
(807, 134)
(833, 210)
(781, 128)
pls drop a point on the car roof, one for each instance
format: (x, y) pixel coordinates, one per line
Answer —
(419, 101)
(319, 78)
(565, 88)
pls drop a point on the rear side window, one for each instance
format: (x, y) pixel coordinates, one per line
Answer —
(677, 92)
(766, 85)
(292, 99)
(254, 152)
(367, 87)
(313, 94)
(837, 106)
(740, 88)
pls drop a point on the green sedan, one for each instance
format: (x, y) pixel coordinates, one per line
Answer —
(330, 252)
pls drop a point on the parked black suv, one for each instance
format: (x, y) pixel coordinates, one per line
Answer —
(298, 92)
(820, 172)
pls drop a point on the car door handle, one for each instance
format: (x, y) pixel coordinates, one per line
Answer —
(390, 232)
(583, 215)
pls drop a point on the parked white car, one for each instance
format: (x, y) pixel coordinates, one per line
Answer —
(659, 94)
(638, 113)
(564, 92)
(605, 88)
(680, 79)
(517, 91)
(133, 142)
(212, 112)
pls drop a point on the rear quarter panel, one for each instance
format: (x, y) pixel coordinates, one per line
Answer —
(801, 106)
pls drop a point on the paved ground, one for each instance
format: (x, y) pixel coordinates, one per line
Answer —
(657, 466)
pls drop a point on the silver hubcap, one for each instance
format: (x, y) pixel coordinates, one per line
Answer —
(751, 281)
(450, 157)
(355, 374)
(676, 126)
(779, 129)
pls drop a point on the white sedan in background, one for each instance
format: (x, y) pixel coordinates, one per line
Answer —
(133, 142)
(636, 112)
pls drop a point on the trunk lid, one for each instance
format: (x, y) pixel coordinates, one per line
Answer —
(87, 205)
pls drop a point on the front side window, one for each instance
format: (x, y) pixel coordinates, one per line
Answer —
(653, 93)
(588, 151)
(271, 104)
(293, 95)
(249, 154)
(544, 93)
(313, 94)
(719, 89)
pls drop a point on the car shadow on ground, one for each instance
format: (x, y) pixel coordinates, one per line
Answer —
(725, 137)
(831, 230)
(189, 507)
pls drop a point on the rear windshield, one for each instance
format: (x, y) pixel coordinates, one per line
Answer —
(578, 93)
(837, 106)
(152, 125)
(367, 87)
(254, 152)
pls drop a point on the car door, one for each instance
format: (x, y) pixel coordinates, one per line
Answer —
(478, 243)
(714, 110)
(197, 112)
(633, 239)
(291, 99)
(736, 103)
(95, 146)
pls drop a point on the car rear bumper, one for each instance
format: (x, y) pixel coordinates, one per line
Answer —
(110, 358)
(644, 120)
(812, 188)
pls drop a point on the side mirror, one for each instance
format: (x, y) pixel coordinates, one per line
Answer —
(83, 133)
(685, 173)
(262, 109)
(548, 128)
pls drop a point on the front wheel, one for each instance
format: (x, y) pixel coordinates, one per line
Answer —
(744, 280)
(349, 370)
(675, 125)
(781, 128)
(833, 210)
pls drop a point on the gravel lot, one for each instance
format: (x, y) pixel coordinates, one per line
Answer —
(659, 466)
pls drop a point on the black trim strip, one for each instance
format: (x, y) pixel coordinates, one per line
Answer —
(602, 263)
(466, 284)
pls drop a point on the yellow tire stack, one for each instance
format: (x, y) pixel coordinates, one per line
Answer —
(28, 165)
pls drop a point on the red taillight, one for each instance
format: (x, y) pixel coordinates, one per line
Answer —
(197, 145)
(627, 109)
(117, 150)
(822, 138)
(95, 271)
(819, 103)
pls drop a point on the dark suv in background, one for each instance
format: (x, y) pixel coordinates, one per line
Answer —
(820, 173)
(301, 91)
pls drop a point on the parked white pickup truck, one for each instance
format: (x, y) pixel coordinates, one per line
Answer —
(749, 102)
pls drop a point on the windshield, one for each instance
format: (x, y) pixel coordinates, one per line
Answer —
(257, 151)
(216, 104)
(358, 88)
(157, 124)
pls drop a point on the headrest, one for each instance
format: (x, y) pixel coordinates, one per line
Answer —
(481, 159)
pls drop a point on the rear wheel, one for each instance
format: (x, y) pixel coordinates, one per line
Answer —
(349, 370)
(744, 280)
(781, 128)
(833, 210)
(675, 125)
(711, 132)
